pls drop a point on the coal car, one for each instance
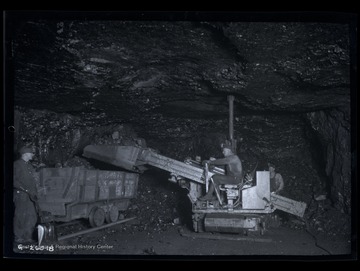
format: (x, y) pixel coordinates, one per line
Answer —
(67, 194)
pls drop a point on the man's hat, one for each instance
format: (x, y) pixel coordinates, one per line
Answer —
(271, 165)
(226, 145)
(26, 150)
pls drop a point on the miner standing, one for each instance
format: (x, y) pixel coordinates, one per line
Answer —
(25, 197)
(276, 180)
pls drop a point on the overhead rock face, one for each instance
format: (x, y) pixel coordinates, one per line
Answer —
(148, 65)
(170, 82)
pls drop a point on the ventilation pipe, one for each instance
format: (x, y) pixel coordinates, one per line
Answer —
(231, 123)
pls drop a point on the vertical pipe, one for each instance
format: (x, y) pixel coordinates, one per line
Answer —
(231, 117)
(231, 122)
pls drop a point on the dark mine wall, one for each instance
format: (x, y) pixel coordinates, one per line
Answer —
(61, 138)
(332, 129)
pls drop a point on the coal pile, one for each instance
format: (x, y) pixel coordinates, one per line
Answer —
(155, 206)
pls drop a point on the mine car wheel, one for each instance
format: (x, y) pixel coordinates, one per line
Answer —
(200, 225)
(112, 215)
(96, 217)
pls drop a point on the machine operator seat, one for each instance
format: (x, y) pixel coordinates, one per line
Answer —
(232, 194)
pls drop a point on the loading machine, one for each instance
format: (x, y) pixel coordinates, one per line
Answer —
(236, 208)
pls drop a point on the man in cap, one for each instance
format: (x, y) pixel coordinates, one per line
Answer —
(233, 170)
(25, 197)
(276, 180)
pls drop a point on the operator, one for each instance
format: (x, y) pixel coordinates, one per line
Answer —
(25, 197)
(233, 171)
(276, 180)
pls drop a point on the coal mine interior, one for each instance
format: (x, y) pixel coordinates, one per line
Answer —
(165, 85)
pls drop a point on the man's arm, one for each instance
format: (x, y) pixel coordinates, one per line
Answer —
(221, 161)
(280, 181)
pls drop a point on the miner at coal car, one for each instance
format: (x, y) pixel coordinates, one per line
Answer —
(25, 197)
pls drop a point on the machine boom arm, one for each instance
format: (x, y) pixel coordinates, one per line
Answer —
(173, 166)
(135, 158)
(288, 205)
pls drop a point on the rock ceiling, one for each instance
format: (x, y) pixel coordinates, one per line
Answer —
(183, 68)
